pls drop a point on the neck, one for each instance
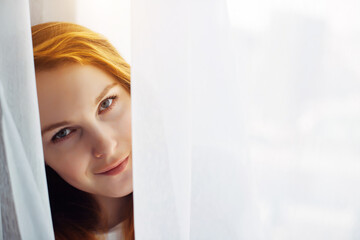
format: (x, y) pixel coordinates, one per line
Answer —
(116, 209)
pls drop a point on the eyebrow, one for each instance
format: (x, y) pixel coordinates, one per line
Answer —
(53, 126)
(59, 124)
(104, 92)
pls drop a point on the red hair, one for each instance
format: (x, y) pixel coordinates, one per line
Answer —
(76, 214)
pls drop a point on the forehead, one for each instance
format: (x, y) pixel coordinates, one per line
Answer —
(68, 89)
(72, 76)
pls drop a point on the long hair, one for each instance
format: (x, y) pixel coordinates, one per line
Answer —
(76, 214)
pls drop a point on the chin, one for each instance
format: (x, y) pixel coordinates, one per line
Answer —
(119, 194)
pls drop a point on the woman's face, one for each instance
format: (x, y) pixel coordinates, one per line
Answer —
(86, 128)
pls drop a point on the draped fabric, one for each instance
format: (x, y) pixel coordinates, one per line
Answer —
(246, 119)
(186, 120)
(245, 116)
(25, 212)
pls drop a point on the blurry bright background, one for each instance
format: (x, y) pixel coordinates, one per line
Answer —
(299, 81)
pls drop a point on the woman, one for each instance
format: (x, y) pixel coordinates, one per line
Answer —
(83, 87)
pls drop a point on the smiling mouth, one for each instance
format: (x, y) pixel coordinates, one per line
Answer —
(115, 169)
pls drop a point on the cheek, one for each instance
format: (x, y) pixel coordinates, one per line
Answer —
(71, 167)
(123, 129)
(127, 128)
(121, 125)
(72, 171)
(127, 124)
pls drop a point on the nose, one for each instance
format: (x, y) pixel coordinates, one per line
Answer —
(103, 143)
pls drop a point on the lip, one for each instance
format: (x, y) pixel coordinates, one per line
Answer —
(115, 168)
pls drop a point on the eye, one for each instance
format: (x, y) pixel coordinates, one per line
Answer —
(107, 104)
(62, 135)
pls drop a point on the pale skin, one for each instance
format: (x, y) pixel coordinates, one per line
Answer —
(93, 135)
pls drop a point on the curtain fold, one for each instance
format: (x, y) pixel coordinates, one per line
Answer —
(245, 119)
(185, 115)
(25, 210)
(161, 118)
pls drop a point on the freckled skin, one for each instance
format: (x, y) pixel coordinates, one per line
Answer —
(68, 93)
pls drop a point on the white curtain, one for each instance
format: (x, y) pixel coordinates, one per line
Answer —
(245, 116)
(246, 119)
(25, 212)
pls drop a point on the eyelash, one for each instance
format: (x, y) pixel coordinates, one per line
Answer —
(56, 140)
